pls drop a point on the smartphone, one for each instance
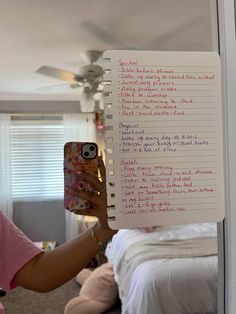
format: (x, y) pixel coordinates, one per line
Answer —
(79, 157)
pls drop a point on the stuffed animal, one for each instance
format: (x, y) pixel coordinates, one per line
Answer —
(98, 293)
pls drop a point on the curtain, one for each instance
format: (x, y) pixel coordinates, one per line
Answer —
(78, 128)
(6, 203)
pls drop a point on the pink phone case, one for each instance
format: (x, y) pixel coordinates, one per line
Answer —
(75, 163)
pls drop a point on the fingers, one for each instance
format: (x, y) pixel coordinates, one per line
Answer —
(91, 197)
(92, 180)
(98, 198)
(102, 169)
(86, 212)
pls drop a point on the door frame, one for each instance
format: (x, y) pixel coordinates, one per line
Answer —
(227, 229)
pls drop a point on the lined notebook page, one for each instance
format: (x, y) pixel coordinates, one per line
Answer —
(163, 138)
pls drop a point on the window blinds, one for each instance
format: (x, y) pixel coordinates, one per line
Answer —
(37, 158)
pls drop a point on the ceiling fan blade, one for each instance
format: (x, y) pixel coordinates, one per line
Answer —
(55, 89)
(102, 34)
(167, 36)
(59, 74)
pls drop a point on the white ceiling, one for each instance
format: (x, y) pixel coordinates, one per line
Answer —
(55, 32)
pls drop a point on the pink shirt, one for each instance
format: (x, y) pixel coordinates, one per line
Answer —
(15, 251)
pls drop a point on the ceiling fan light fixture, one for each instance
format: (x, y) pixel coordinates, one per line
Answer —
(87, 107)
(87, 102)
(91, 71)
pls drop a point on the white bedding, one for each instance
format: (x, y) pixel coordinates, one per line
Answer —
(151, 284)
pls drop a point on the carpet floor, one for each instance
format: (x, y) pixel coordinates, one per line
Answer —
(22, 301)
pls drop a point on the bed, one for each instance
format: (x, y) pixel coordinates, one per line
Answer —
(166, 270)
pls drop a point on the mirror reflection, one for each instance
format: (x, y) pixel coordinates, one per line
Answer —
(160, 269)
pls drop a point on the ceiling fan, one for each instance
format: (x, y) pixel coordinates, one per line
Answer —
(89, 79)
(103, 35)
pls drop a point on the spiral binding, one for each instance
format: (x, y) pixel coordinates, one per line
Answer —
(109, 142)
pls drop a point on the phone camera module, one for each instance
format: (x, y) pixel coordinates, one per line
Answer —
(86, 154)
(89, 150)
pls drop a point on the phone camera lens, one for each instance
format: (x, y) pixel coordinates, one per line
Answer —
(92, 148)
(86, 154)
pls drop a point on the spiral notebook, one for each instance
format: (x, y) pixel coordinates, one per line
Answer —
(163, 138)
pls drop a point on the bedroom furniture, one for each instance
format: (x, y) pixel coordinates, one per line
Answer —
(171, 269)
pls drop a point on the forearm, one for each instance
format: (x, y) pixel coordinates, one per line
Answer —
(51, 269)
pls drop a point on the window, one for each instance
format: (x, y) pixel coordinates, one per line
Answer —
(37, 157)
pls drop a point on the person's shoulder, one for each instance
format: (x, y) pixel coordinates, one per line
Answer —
(3, 218)
(6, 223)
